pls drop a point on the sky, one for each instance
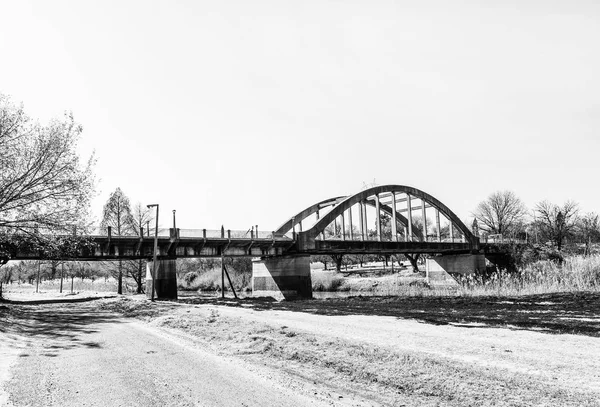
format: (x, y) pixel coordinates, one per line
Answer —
(239, 113)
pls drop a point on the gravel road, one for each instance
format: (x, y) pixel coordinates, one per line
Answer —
(66, 355)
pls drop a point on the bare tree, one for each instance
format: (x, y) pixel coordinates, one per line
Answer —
(589, 228)
(555, 222)
(501, 213)
(141, 220)
(117, 215)
(43, 184)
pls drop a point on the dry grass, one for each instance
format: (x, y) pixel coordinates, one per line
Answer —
(210, 280)
(575, 274)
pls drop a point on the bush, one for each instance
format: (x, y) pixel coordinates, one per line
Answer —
(189, 278)
(326, 281)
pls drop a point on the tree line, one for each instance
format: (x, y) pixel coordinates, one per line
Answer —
(553, 225)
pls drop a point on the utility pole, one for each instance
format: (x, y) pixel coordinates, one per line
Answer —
(154, 261)
(37, 284)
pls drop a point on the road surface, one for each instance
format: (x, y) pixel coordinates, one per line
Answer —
(74, 355)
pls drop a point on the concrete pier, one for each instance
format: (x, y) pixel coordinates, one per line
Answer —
(165, 284)
(283, 278)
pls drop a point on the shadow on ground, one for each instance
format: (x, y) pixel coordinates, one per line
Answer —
(55, 326)
(557, 313)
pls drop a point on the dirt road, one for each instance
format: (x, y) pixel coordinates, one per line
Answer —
(72, 355)
(363, 351)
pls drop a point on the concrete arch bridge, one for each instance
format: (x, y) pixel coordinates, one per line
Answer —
(387, 219)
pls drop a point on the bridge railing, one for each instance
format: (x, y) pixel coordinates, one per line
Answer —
(373, 238)
(99, 231)
(230, 234)
(103, 231)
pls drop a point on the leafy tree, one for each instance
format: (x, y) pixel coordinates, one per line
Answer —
(501, 213)
(43, 184)
(555, 223)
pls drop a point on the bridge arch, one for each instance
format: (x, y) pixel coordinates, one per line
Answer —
(302, 215)
(287, 226)
(362, 197)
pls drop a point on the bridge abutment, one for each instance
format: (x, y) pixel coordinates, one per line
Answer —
(165, 284)
(439, 269)
(282, 277)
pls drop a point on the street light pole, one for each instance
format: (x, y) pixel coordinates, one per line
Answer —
(154, 262)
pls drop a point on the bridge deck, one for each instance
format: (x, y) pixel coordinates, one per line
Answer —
(174, 245)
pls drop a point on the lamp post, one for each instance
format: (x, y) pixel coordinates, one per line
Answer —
(174, 228)
(155, 249)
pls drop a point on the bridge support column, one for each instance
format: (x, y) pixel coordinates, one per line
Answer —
(283, 277)
(439, 269)
(165, 284)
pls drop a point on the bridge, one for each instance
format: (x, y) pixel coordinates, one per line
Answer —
(402, 217)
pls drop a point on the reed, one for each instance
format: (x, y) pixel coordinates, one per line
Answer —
(575, 274)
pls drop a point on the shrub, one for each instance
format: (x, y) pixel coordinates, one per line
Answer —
(326, 281)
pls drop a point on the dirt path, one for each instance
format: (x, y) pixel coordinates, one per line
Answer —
(71, 355)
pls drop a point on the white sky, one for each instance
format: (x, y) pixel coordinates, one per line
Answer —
(245, 112)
